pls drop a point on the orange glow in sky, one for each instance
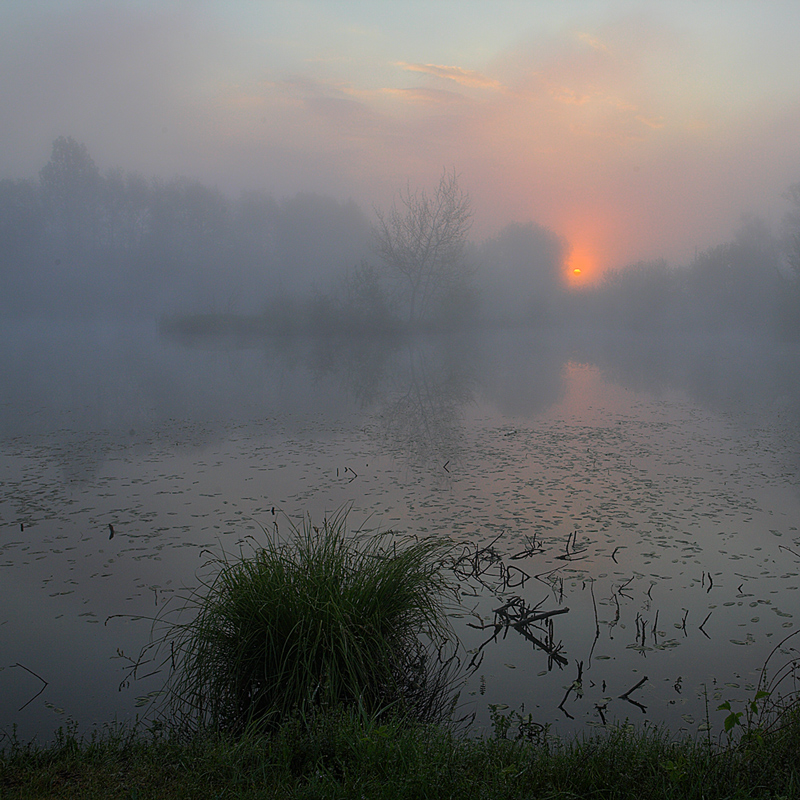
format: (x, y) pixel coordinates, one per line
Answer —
(581, 267)
(575, 116)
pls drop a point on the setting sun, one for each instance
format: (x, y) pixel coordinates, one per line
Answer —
(579, 267)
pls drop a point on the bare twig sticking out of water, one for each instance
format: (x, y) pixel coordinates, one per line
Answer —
(788, 550)
(633, 689)
(506, 576)
(683, 621)
(44, 682)
(475, 565)
(626, 695)
(655, 629)
(533, 548)
(622, 587)
(596, 627)
(567, 555)
(642, 634)
(576, 686)
(518, 615)
(474, 664)
(615, 595)
(615, 622)
(528, 615)
(552, 584)
(614, 555)
(479, 561)
(641, 630)
(703, 625)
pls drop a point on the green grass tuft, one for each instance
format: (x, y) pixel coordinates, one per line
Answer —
(321, 620)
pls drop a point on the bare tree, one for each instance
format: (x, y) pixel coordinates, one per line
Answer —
(422, 242)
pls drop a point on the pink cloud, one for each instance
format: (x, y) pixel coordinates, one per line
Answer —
(464, 77)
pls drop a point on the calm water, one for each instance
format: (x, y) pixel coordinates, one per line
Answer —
(650, 489)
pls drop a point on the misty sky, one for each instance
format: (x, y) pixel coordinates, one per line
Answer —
(636, 129)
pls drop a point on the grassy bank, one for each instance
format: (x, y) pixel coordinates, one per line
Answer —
(345, 755)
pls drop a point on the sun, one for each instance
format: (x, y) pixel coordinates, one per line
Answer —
(580, 265)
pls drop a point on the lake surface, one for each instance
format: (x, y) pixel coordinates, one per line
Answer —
(651, 488)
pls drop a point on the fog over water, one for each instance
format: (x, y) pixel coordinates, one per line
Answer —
(666, 476)
(523, 284)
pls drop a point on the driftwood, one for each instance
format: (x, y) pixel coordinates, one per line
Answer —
(516, 614)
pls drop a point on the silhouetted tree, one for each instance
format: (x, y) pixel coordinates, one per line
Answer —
(21, 219)
(365, 304)
(738, 284)
(521, 274)
(189, 220)
(255, 216)
(422, 242)
(790, 244)
(125, 213)
(639, 297)
(70, 183)
(317, 239)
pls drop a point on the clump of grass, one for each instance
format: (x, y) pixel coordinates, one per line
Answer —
(318, 620)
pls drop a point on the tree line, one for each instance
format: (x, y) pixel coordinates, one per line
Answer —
(749, 284)
(78, 242)
(75, 241)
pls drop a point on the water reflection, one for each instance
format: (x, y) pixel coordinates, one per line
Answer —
(421, 417)
(651, 489)
(121, 384)
(755, 379)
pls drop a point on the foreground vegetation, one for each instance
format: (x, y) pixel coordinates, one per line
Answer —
(346, 754)
(313, 668)
(316, 619)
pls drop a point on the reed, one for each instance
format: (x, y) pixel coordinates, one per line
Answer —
(319, 619)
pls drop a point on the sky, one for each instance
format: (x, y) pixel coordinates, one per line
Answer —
(636, 130)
